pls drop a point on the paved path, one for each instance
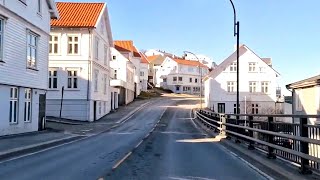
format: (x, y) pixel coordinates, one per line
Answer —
(177, 150)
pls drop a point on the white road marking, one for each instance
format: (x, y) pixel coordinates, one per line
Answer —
(121, 161)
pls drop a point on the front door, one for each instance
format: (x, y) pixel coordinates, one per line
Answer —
(42, 112)
(221, 108)
(94, 110)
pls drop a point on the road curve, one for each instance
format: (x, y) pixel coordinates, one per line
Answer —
(177, 150)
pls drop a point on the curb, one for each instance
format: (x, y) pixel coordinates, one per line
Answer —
(36, 147)
(122, 120)
(64, 122)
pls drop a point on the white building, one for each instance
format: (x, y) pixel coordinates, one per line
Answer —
(202, 58)
(129, 51)
(144, 70)
(181, 76)
(257, 87)
(24, 32)
(123, 77)
(155, 62)
(79, 62)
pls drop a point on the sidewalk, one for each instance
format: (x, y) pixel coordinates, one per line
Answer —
(61, 131)
(103, 124)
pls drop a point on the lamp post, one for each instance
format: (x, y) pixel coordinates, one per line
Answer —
(200, 72)
(236, 33)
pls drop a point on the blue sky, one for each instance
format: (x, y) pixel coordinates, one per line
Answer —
(288, 31)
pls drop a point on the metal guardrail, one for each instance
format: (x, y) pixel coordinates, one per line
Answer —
(299, 143)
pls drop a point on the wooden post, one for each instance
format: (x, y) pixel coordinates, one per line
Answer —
(270, 154)
(304, 147)
(251, 146)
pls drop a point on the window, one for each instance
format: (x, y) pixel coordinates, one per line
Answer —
(96, 78)
(96, 51)
(255, 109)
(164, 79)
(39, 6)
(27, 105)
(186, 88)
(1, 38)
(106, 54)
(252, 67)
(73, 44)
(72, 79)
(114, 57)
(105, 84)
(196, 80)
(233, 67)
(264, 87)
(252, 86)
(190, 80)
(196, 89)
(53, 79)
(298, 100)
(180, 78)
(14, 96)
(231, 86)
(141, 73)
(174, 78)
(105, 107)
(115, 74)
(54, 44)
(32, 50)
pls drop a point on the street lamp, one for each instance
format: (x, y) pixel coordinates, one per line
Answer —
(200, 72)
(236, 33)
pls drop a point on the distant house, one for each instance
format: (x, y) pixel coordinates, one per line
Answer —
(202, 58)
(128, 50)
(306, 98)
(144, 70)
(181, 76)
(79, 59)
(123, 78)
(155, 62)
(24, 32)
(257, 87)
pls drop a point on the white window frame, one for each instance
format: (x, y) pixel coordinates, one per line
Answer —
(96, 80)
(252, 66)
(195, 80)
(141, 73)
(32, 45)
(53, 42)
(231, 86)
(100, 107)
(233, 67)
(254, 108)
(96, 50)
(106, 54)
(27, 105)
(14, 105)
(252, 86)
(180, 77)
(2, 22)
(73, 78)
(174, 79)
(265, 87)
(53, 77)
(73, 44)
(190, 80)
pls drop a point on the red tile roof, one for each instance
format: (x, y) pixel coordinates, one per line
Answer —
(188, 62)
(152, 58)
(77, 14)
(144, 59)
(126, 46)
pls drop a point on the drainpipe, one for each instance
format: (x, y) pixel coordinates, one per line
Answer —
(89, 70)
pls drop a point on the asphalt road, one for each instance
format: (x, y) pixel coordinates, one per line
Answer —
(175, 150)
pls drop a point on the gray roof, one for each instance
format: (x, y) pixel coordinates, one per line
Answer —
(313, 81)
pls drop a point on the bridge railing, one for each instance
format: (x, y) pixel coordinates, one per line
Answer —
(298, 143)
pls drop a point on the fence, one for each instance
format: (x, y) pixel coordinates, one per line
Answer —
(299, 143)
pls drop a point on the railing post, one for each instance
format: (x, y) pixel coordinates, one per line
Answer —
(226, 120)
(304, 147)
(237, 130)
(251, 146)
(222, 126)
(271, 154)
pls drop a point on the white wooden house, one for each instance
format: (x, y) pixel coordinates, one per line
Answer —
(181, 76)
(79, 59)
(24, 32)
(257, 84)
